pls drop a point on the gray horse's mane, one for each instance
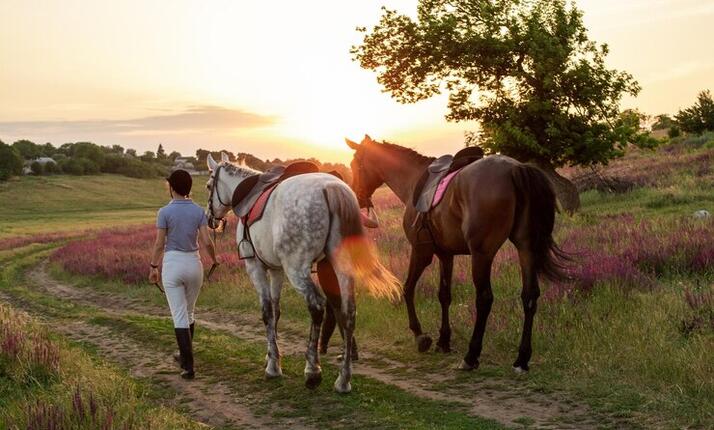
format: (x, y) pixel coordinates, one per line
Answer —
(242, 171)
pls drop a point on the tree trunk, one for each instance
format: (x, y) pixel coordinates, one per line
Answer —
(565, 190)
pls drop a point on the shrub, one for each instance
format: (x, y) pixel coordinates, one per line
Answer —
(10, 162)
(89, 166)
(71, 166)
(37, 168)
(674, 131)
(51, 168)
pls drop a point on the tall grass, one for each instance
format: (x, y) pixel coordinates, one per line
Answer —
(55, 386)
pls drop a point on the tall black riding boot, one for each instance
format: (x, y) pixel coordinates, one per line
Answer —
(177, 354)
(183, 338)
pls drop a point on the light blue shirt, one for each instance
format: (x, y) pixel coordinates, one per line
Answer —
(181, 219)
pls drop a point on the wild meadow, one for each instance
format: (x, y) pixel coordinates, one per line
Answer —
(630, 333)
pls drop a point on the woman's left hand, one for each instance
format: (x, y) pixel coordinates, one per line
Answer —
(154, 275)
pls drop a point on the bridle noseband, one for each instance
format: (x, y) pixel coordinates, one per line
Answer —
(212, 216)
(364, 202)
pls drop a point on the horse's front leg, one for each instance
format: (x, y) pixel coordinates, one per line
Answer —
(420, 258)
(316, 306)
(258, 275)
(446, 270)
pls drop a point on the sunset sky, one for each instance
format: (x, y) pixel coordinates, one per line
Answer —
(275, 78)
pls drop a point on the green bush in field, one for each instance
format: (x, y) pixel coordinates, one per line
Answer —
(699, 117)
(51, 168)
(674, 131)
(37, 168)
(72, 166)
(90, 167)
(10, 162)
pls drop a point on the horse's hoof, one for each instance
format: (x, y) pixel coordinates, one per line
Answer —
(342, 388)
(442, 348)
(423, 342)
(466, 366)
(520, 368)
(273, 373)
(313, 380)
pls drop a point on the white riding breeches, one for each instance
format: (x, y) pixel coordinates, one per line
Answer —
(182, 276)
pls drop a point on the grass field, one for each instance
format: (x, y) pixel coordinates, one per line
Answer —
(627, 344)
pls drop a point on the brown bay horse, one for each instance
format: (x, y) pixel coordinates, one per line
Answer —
(489, 201)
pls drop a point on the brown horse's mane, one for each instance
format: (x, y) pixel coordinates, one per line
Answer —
(408, 152)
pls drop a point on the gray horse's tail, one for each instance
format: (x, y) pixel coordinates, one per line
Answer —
(354, 252)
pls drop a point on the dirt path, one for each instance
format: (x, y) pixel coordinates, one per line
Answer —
(211, 403)
(503, 400)
(208, 402)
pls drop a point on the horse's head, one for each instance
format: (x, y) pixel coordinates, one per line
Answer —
(366, 177)
(219, 192)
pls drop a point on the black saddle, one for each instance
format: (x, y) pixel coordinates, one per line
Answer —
(426, 186)
(248, 191)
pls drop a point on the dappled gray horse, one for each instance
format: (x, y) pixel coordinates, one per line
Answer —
(307, 218)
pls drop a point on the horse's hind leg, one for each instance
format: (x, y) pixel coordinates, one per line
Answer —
(529, 298)
(331, 287)
(481, 272)
(258, 276)
(316, 305)
(345, 311)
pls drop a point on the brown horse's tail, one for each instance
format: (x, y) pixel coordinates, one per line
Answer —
(354, 253)
(536, 206)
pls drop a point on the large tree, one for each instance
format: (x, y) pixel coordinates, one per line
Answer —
(526, 71)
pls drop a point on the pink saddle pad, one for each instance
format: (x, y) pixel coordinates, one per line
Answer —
(441, 188)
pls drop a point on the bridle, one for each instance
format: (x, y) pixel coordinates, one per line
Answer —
(364, 201)
(212, 218)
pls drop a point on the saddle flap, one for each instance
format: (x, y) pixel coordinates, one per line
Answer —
(242, 192)
(441, 164)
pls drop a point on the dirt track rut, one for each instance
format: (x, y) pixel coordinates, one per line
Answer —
(509, 403)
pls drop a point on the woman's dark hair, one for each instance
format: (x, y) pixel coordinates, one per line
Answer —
(180, 181)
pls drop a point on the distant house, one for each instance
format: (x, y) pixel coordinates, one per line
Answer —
(185, 163)
(27, 169)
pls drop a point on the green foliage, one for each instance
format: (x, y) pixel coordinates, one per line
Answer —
(71, 166)
(87, 150)
(699, 117)
(545, 92)
(50, 168)
(10, 162)
(27, 149)
(674, 131)
(160, 153)
(663, 122)
(37, 168)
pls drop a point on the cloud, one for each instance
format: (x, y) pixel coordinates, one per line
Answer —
(191, 119)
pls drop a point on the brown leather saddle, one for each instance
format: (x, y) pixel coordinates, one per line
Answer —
(427, 185)
(248, 192)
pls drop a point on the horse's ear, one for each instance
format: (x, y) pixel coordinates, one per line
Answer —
(351, 144)
(225, 158)
(367, 139)
(241, 162)
(211, 162)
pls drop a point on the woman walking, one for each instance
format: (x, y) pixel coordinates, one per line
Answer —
(180, 224)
